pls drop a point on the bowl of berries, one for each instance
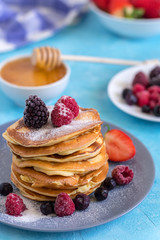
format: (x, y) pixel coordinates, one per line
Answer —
(129, 18)
(136, 91)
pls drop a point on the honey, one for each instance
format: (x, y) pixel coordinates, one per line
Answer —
(21, 72)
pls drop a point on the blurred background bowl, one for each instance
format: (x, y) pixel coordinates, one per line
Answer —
(134, 28)
(19, 94)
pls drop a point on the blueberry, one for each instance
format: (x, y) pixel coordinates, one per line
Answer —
(5, 189)
(146, 109)
(109, 183)
(155, 72)
(81, 201)
(125, 92)
(131, 99)
(47, 208)
(101, 193)
(156, 111)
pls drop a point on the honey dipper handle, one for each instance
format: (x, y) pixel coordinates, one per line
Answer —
(106, 60)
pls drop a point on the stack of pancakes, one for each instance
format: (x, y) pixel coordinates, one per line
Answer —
(50, 160)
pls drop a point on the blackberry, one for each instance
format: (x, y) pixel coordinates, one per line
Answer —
(101, 193)
(47, 208)
(156, 111)
(81, 201)
(155, 72)
(5, 189)
(36, 113)
(109, 183)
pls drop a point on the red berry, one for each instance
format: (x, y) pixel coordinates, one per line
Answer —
(143, 98)
(154, 89)
(138, 88)
(154, 96)
(117, 7)
(102, 4)
(151, 7)
(141, 78)
(61, 115)
(122, 174)
(152, 104)
(119, 146)
(64, 206)
(14, 205)
(70, 103)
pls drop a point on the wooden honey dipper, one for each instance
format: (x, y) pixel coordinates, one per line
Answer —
(48, 58)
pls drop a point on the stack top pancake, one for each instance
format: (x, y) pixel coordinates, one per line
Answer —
(49, 135)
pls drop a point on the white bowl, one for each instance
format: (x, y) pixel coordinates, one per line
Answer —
(20, 93)
(136, 28)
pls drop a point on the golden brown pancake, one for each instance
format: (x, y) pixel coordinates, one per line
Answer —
(38, 179)
(96, 181)
(81, 155)
(49, 135)
(67, 147)
(66, 168)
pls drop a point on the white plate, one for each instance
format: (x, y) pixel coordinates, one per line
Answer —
(124, 80)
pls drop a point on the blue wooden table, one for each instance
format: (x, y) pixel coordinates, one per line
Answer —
(88, 84)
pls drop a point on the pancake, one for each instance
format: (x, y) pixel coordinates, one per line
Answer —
(64, 148)
(66, 168)
(49, 135)
(96, 181)
(81, 155)
(38, 179)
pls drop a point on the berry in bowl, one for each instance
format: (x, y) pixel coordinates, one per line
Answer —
(136, 91)
(19, 79)
(130, 18)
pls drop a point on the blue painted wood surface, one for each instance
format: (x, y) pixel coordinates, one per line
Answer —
(88, 84)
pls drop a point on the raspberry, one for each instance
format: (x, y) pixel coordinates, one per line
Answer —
(61, 115)
(64, 205)
(154, 96)
(70, 103)
(154, 89)
(122, 174)
(138, 88)
(141, 78)
(36, 113)
(143, 98)
(152, 104)
(14, 205)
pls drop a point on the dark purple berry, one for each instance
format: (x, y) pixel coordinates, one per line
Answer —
(155, 81)
(156, 111)
(101, 193)
(47, 208)
(81, 201)
(36, 113)
(141, 78)
(131, 99)
(146, 109)
(155, 72)
(5, 189)
(125, 92)
(109, 183)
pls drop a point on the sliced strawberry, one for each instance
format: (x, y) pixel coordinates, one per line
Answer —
(119, 146)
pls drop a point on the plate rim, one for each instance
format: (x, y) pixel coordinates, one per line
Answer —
(143, 116)
(102, 222)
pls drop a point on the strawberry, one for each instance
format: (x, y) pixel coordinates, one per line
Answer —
(119, 146)
(151, 7)
(102, 4)
(117, 7)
